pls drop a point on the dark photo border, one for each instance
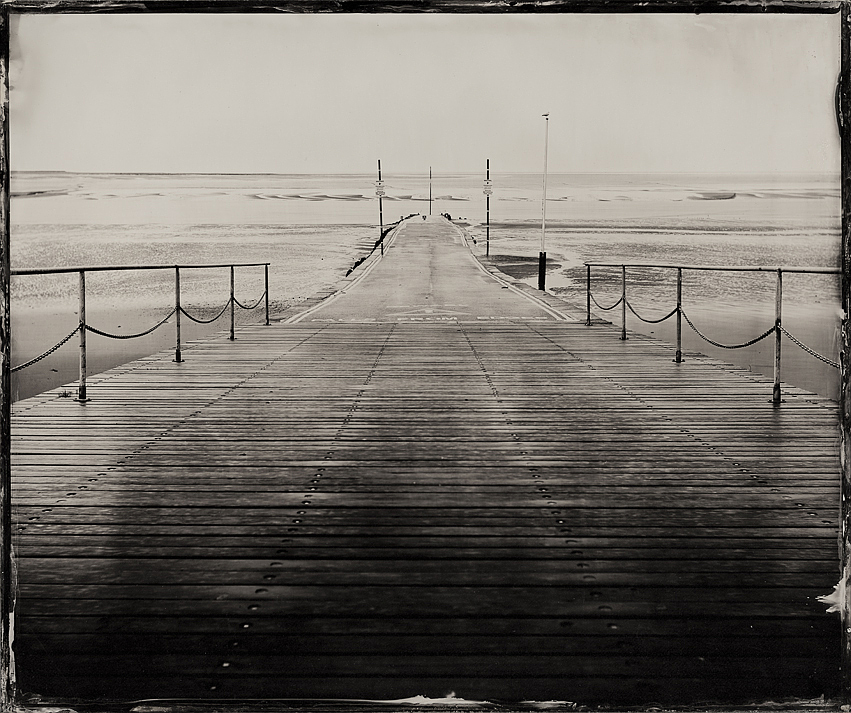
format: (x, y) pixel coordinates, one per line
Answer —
(8, 701)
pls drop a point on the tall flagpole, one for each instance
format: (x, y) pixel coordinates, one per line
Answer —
(542, 257)
(429, 190)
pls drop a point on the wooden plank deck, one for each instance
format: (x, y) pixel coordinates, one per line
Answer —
(507, 509)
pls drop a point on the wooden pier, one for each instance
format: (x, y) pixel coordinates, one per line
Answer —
(429, 485)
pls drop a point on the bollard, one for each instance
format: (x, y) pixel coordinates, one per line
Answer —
(588, 295)
(81, 390)
(177, 356)
(679, 357)
(623, 302)
(266, 277)
(778, 303)
(542, 271)
(231, 303)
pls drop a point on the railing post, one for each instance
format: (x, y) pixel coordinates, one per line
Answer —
(177, 356)
(679, 356)
(778, 303)
(81, 390)
(588, 295)
(266, 280)
(623, 302)
(231, 302)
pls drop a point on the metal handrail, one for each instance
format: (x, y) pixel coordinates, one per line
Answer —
(83, 327)
(121, 268)
(777, 329)
(724, 268)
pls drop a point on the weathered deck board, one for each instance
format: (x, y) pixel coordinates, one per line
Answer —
(509, 509)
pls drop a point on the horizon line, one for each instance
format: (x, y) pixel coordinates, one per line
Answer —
(418, 173)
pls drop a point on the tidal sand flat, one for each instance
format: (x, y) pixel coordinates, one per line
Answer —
(312, 228)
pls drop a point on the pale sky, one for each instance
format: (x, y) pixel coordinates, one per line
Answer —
(284, 93)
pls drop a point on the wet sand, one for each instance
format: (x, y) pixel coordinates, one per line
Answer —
(522, 267)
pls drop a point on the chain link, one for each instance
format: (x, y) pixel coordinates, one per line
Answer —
(109, 335)
(727, 346)
(242, 306)
(47, 353)
(807, 349)
(131, 336)
(606, 309)
(762, 336)
(206, 321)
(651, 321)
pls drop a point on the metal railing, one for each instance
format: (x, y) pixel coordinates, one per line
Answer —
(83, 327)
(777, 328)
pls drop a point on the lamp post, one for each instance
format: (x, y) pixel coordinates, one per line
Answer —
(542, 257)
